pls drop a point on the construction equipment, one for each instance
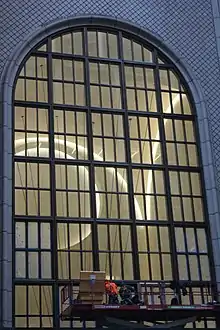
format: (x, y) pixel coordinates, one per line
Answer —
(87, 301)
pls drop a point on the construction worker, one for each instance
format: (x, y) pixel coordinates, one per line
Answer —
(112, 291)
(126, 294)
(129, 296)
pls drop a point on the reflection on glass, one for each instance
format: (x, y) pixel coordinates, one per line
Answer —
(70, 43)
(102, 44)
(133, 51)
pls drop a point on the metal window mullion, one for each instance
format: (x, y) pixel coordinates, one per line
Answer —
(110, 83)
(191, 197)
(74, 80)
(174, 260)
(109, 256)
(102, 135)
(68, 247)
(115, 168)
(186, 254)
(80, 246)
(122, 257)
(95, 254)
(40, 304)
(144, 192)
(186, 143)
(106, 191)
(152, 164)
(161, 254)
(66, 188)
(27, 251)
(148, 251)
(76, 136)
(170, 91)
(197, 252)
(78, 192)
(53, 226)
(180, 195)
(135, 85)
(54, 233)
(39, 249)
(27, 286)
(136, 266)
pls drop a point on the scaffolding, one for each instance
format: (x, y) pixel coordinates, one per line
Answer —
(159, 303)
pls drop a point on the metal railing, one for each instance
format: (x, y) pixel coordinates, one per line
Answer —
(148, 293)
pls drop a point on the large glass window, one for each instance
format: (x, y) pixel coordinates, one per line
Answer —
(107, 174)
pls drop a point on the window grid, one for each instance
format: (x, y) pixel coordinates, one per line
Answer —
(140, 60)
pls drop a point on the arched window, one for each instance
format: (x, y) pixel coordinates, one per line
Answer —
(107, 174)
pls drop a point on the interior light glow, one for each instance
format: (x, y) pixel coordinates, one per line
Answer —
(72, 146)
(155, 147)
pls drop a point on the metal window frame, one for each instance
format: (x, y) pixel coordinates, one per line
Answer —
(165, 166)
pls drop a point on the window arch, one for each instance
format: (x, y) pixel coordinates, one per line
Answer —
(107, 172)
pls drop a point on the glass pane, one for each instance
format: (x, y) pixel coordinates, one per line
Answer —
(103, 237)
(191, 243)
(142, 238)
(56, 45)
(174, 82)
(174, 183)
(205, 269)
(185, 184)
(127, 50)
(182, 267)
(179, 130)
(92, 43)
(177, 210)
(67, 43)
(102, 44)
(77, 43)
(144, 267)
(164, 79)
(152, 102)
(113, 45)
(20, 295)
(198, 209)
(164, 239)
(180, 242)
(155, 267)
(149, 75)
(201, 237)
(128, 266)
(190, 134)
(20, 264)
(167, 269)
(194, 269)
(137, 52)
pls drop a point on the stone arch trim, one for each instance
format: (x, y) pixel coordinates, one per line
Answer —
(6, 94)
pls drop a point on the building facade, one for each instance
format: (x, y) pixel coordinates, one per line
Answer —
(110, 148)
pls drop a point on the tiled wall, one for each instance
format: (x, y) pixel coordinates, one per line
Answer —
(190, 27)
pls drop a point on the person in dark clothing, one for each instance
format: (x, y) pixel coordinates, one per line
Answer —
(125, 292)
(129, 295)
